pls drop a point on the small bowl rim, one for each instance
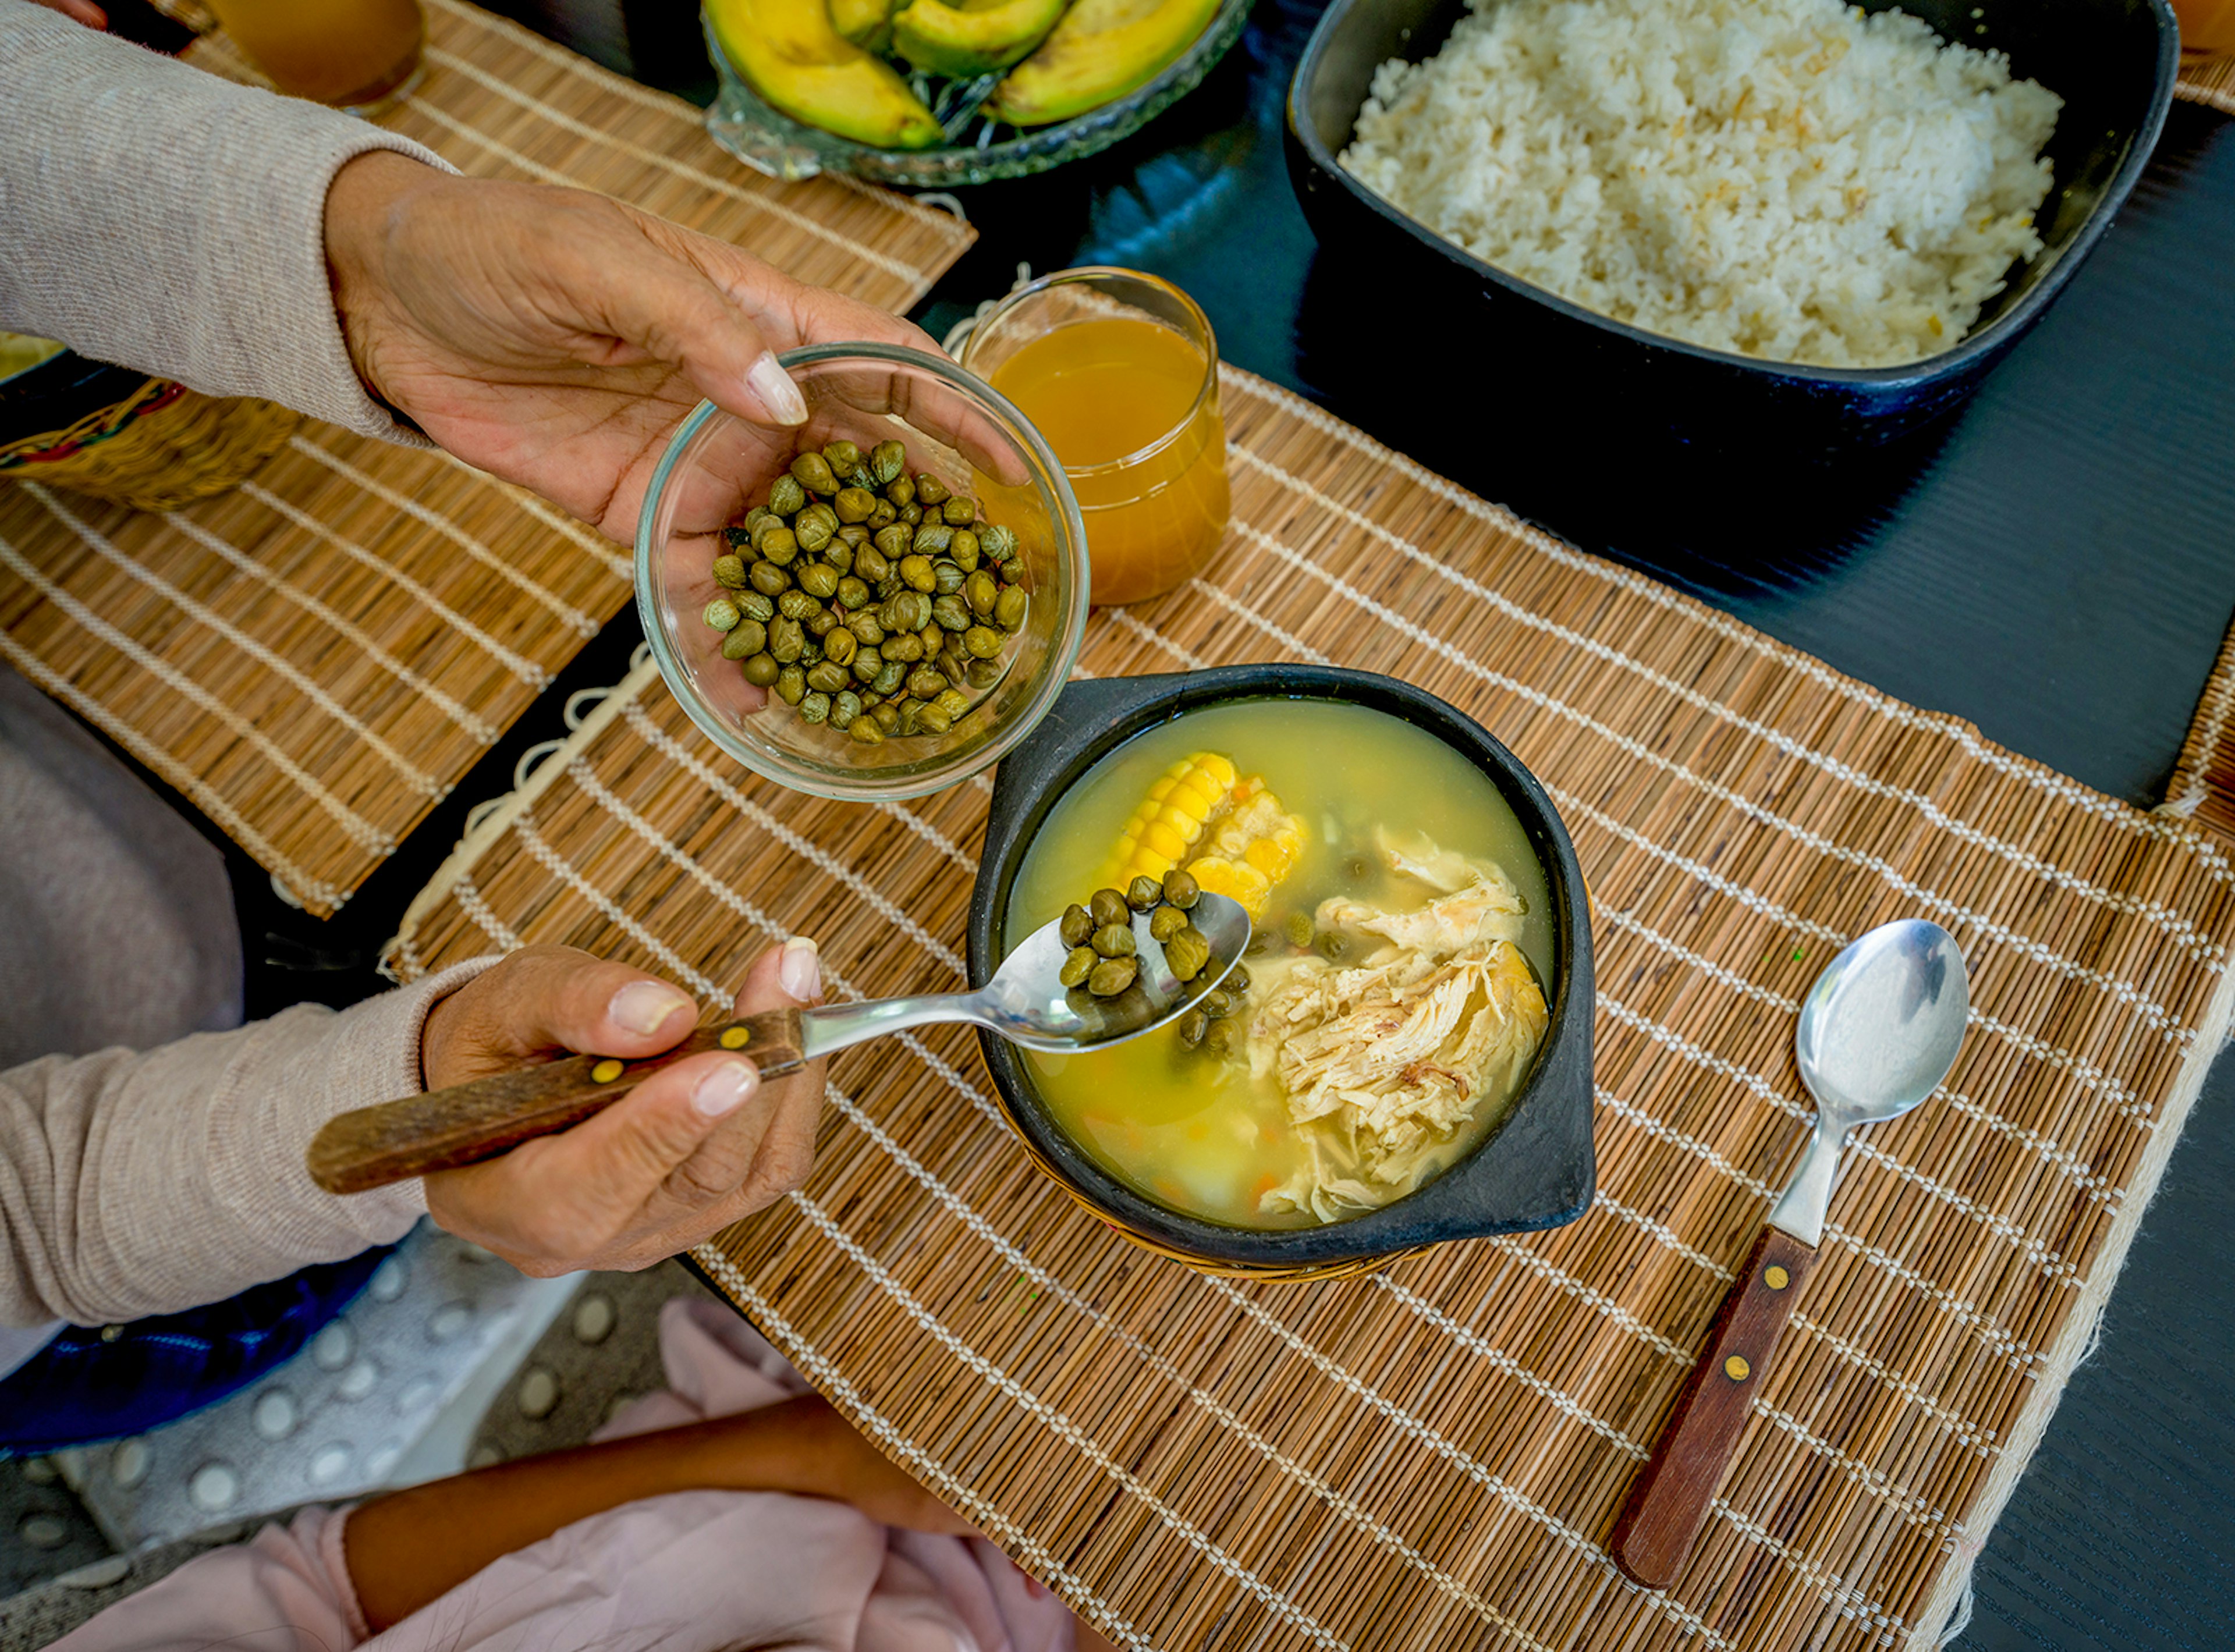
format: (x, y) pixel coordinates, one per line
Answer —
(1997, 335)
(1212, 1246)
(1069, 637)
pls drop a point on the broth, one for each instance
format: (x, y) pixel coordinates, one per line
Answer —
(1206, 1138)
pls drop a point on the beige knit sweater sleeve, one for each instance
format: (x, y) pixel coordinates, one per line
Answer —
(145, 1183)
(157, 216)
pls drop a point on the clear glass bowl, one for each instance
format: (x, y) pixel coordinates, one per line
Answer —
(773, 142)
(954, 425)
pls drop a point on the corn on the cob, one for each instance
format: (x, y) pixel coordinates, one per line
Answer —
(1180, 804)
(1252, 850)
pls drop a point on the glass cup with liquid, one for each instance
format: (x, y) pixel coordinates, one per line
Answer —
(1119, 372)
(361, 55)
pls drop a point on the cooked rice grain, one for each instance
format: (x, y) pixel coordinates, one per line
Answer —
(1786, 179)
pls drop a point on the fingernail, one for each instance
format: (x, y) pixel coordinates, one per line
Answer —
(644, 1006)
(724, 1089)
(800, 970)
(777, 393)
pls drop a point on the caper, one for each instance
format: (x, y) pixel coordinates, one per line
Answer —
(933, 720)
(907, 647)
(792, 686)
(890, 676)
(1165, 922)
(1186, 953)
(797, 605)
(867, 662)
(951, 613)
(842, 457)
(820, 511)
(1334, 946)
(1009, 610)
(980, 592)
(1108, 906)
(915, 570)
(854, 535)
(953, 664)
(852, 593)
(1218, 1039)
(730, 572)
(814, 474)
(840, 645)
(929, 488)
(926, 684)
(983, 641)
(1112, 976)
(1238, 981)
(1079, 966)
(722, 614)
(865, 730)
(845, 706)
(780, 546)
(785, 640)
(902, 491)
(911, 515)
(840, 555)
(1181, 889)
(909, 611)
(870, 702)
(811, 531)
(886, 460)
(933, 538)
(882, 514)
(827, 677)
(810, 652)
(819, 579)
(998, 543)
(1215, 1004)
(961, 511)
(1193, 1025)
(768, 579)
(885, 716)
(982, 673)
(787, 496)
(820, 626)
(1077, 926)
(932, 638)
(947, 577)
(868, 630)
(816, 707)
(955, 702)
(761, 669)
(746, 638)
(1143, 893)
(743, 530)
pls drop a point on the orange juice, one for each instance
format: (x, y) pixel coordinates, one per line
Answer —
(1130, 407)
(2207, 26)
(353, 54)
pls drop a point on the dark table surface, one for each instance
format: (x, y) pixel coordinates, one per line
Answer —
(2057, 564)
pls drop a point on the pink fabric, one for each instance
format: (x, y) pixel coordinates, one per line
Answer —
(692, 1572)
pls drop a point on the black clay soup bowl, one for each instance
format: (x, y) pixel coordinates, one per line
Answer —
(2113, 62)
(1533, 1169)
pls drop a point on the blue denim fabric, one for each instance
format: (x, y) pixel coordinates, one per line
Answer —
(85, 1387)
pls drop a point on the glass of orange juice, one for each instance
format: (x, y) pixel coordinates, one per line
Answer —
(361, 55)
(1119, 370)
(2207, 26)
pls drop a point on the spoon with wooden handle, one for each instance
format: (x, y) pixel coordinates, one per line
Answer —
(1878, 1032)
(1026, 1002)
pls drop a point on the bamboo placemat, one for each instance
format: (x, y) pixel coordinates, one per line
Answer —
(2212, 80)
(1432, 1457)
(317, 659)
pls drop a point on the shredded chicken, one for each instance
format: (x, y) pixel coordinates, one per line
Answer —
(1386, 1062)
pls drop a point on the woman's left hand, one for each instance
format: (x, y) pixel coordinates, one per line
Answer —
(555, 337)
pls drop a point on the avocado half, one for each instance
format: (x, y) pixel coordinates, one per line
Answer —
(789, 54)
(972, 38)
(1101, 51)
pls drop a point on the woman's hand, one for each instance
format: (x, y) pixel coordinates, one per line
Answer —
(555, 337)
(834, 1461)
(692, 1149)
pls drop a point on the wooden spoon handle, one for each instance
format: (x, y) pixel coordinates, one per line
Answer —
(468, 1122)
(1668, 1502)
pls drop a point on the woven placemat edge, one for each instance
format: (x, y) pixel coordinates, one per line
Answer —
(2076, 1342)
(540, 768)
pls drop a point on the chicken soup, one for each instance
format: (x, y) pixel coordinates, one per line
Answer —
(1391, 1004)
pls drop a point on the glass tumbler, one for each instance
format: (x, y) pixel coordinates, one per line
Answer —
(360, 56)
(1118, 369)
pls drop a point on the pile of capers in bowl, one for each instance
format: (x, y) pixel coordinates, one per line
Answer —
(868, 599)
(1104, 955)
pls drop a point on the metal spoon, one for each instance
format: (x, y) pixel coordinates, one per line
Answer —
(1025, 1002)
(1878, 1032)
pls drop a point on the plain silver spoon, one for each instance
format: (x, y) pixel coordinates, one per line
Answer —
(1025, 1002)
(1878, 1032)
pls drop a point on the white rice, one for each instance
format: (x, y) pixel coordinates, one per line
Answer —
(1785, 179)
